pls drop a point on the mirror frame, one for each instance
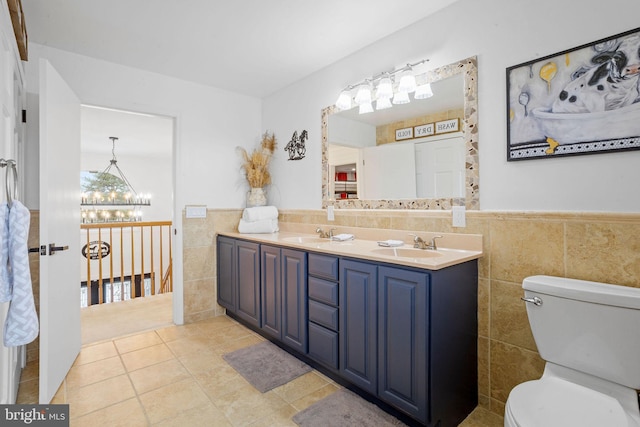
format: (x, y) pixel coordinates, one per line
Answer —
(469, 68)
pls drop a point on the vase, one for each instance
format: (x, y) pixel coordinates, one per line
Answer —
(256, 197)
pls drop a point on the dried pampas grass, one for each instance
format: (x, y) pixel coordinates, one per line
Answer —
(256, 164)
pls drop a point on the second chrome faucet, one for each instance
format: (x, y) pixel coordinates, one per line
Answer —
(419, 243)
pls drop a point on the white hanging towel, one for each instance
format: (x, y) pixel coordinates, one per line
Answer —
(5, 278)
(21, 326)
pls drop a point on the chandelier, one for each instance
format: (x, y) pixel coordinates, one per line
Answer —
(391, 87)
(109, 196)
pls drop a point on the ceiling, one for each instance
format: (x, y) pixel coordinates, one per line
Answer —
(253, 47)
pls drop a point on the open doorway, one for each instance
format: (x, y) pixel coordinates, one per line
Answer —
(126, 265)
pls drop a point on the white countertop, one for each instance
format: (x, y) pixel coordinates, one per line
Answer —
(453, 248)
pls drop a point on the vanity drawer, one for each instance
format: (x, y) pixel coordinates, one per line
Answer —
(323, 266)
(323, 314)
(323, 345)
(323, 291)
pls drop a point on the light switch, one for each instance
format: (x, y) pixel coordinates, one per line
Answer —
(330, 216)
(196, 211)
(458, 216)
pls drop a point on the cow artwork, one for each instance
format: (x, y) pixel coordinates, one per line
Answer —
(580, 101)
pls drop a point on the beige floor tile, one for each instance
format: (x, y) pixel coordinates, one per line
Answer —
(91, 353)
(172, 333)
(136, 342)
(146, 357)
(311, 398)
(207, 415)
(483, 418)
(216, 388)
(198, 344)
(173, 399)
(197, 363)
(300, 387)
(84, 400)
(280, 417)
(124, 414)
(89, 373)
(158, 375)
(247, 405)
(238, 344)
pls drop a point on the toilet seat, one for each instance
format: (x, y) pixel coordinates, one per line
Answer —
(554, 402)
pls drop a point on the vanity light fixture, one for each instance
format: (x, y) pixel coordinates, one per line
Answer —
(383, 103)
(401, 98)
(407, 80)
(344, 100)
(423, 91)
(363, 95)
(385, 87)
(391, 87)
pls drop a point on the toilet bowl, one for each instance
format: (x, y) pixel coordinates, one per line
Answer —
(587, 333)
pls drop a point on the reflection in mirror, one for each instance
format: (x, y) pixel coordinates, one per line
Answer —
(367, 164)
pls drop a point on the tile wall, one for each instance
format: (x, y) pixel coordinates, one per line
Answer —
(591, 246)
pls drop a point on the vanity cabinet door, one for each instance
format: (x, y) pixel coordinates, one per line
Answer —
(358, 327)
(226, 273)
(271, 291)
(284, 295)
(294, 299)
(248, 280)
(403, 339)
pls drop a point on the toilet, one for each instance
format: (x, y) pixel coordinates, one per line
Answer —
(589, 335)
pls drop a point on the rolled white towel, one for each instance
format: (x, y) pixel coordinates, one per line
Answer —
(259, 213)
(260, 226)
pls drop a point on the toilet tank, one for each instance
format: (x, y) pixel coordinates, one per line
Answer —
(587, 326)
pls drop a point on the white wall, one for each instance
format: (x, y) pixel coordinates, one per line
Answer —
(210, 123)
(501, 33)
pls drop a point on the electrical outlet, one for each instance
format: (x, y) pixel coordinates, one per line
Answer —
(458, 216)
(330, 216)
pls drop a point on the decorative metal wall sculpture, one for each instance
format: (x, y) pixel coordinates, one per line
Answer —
(296, 147)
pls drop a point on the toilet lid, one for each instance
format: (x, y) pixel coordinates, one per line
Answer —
(552, 402)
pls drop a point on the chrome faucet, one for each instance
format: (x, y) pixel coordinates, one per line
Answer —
(419, 243)
(323, 234)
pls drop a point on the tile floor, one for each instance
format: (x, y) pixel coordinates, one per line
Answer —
(175, 376)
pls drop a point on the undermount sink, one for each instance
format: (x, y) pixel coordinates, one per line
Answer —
(305, 239)
(407, 252)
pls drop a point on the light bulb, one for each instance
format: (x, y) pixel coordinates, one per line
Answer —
(407, 81)
(383, 103)
(385, 88)
(365, 108)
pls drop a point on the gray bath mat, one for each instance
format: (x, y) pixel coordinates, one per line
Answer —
(266, 366)
(344, 408)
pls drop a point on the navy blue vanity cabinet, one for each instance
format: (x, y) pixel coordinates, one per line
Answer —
(403, 337)
(284, 295)
(226, 262)
(239, 278)
(323, 310)
(248, 282)
(358, 324)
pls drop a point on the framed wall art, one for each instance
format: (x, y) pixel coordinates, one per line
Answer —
(581, 101)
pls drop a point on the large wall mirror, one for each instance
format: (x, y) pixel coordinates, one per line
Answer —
(365, 166)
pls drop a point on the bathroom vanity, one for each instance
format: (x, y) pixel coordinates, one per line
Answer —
(402, 329)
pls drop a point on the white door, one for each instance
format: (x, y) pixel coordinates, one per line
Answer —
(389, 171)
(59, 222)
(440, 168)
